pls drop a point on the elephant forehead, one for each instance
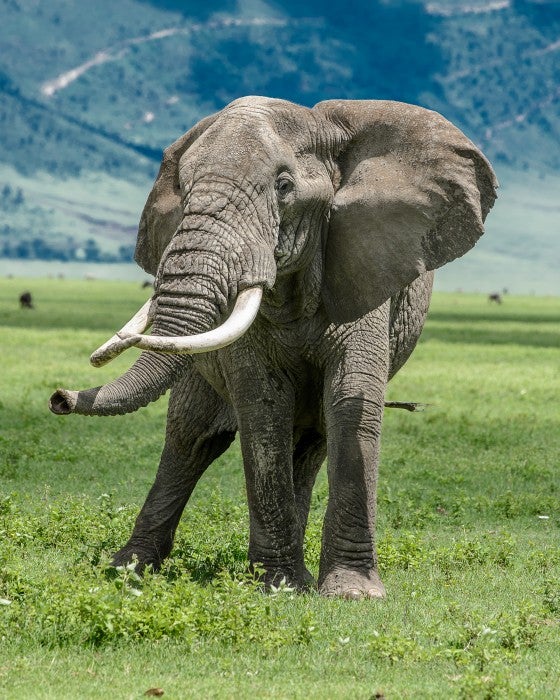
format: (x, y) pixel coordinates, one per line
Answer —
(269, 108)
(258, 102)
(232, 144)
(258, 121)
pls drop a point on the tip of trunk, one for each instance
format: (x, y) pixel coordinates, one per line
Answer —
(63, 402)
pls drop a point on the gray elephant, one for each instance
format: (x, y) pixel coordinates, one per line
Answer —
(292, 250)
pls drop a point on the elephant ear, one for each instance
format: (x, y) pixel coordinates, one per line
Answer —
(163, 210)
(411, 194)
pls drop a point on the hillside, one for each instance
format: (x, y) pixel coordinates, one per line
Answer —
(91, 93)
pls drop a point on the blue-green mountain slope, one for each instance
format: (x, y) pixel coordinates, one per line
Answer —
(90, 93)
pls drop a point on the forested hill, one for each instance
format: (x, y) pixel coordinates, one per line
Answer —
(91, 92)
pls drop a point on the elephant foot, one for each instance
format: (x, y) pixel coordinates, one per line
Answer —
(275, 577)
(140, 554)
(351, 584)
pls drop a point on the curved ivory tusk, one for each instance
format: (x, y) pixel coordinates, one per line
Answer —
(243, 314)
(141, 320)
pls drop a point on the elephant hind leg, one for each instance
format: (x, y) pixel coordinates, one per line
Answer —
(200, 427)
(309, 454)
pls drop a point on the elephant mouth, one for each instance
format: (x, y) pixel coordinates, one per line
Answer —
(130, 335)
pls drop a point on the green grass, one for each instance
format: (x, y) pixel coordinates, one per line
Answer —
(471, 566)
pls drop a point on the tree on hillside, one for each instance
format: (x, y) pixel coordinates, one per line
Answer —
(91, 251)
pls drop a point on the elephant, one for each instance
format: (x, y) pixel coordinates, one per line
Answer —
(293, 251)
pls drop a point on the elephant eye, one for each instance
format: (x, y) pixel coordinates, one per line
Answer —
(284, 185)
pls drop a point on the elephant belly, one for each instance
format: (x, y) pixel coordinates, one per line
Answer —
(309, 404)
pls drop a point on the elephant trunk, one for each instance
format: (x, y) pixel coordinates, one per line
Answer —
(148, 378)
(153, 373)
(196, 286)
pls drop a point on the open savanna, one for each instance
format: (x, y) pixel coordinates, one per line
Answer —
(469, 527)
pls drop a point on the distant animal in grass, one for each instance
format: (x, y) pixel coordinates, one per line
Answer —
(147, 283)
(496, 298)
(26, 300)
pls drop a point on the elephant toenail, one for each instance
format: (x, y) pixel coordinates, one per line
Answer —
(353, 594)
(375, 593)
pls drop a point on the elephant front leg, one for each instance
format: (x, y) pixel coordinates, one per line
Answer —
(200, 427)
(264, 403)
(354, 397)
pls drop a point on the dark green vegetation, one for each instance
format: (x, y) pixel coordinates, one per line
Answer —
(179, 61)
(85, 149)
(468, 528)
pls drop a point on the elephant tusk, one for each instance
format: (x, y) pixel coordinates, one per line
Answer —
(141, 320)
(244, 312)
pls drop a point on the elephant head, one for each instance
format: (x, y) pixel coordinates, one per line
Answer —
(343, 205)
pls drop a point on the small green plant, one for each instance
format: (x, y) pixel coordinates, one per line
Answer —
(495, 548)
(478, 644)
(403, 551)
(483, 686)
(544, 560)
(551, 595)
(518, 630)
(392, 646)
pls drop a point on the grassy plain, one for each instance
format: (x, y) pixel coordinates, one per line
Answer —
(469, 527)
